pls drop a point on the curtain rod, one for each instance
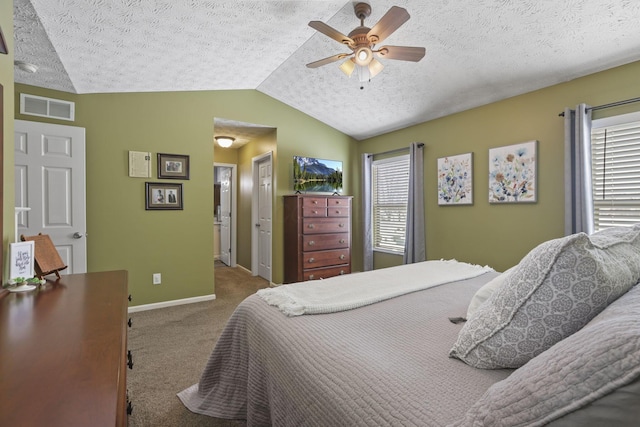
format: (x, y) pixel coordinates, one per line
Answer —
(613, 104)
(420, 145)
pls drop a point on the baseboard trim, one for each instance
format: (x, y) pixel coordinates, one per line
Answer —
(172, 303)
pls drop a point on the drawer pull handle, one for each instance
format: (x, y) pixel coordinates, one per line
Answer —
(311, 277)
(341, 225)
(311, 260)
(342, 256)
(311, 226)
(338, 211)
(341, 272)
(315, 212)
(341, 240)
(315, 202)
(311, 243)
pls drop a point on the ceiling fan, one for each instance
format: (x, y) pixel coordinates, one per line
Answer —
(363, 40)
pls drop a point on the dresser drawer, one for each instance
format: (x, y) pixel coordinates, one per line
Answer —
(314, 202)
(325, 273)
(341, 202)
(325, 225)
(338, 211)
(326, 258)
(314, 212)
(319, 242)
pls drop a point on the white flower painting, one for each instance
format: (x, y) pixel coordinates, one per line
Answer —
(512, 173)
(455, 180)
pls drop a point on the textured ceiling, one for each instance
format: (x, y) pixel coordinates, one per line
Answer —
(477, 52)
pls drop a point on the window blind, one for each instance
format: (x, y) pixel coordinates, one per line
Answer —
(615, 153)
(390, 179)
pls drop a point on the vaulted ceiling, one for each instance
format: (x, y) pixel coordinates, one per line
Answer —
(476, 52)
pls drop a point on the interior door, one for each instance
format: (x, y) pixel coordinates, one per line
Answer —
(50, 180)
(264, 218)
(225, 215)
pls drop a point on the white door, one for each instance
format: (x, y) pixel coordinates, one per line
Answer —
(50, 179)
(225, 215)
(264, 218)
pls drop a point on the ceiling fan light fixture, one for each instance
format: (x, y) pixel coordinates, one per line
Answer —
(348, 66)
(224, 141)
(375, 67)
(363, 56)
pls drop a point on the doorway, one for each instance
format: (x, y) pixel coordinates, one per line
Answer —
(225, 216)
(50, 180)
(261, 212)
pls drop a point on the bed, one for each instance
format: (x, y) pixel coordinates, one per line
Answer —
(423, 359)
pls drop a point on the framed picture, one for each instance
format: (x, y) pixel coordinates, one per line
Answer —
(173, 166)
(163, 196)
(455, 180)
(512, 173)
(3, 44)
(22, 259)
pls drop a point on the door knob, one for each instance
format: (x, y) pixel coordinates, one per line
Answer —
(77, 235)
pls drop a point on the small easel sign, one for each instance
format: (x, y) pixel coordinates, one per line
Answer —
(22, 260)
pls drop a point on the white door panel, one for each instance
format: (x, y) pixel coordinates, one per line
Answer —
(264, 219)
(50, 179)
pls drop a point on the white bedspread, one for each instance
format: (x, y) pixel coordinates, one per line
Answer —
(359, 289)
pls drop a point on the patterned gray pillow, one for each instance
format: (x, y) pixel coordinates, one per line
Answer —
(595, 361)
(552, 293)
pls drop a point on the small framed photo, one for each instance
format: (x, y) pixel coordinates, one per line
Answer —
(22, 259)
(163, 196)
(512, 173)
(455, 180)
(173, 166)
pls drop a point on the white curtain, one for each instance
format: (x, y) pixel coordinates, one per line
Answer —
(578, 196)
(414, 244)
(367, 232)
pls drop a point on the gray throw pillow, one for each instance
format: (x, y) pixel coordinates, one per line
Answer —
(592, 364)
(553, 292)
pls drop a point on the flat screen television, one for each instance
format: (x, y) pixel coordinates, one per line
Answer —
(317, 175)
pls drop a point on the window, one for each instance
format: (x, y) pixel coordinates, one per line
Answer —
(615, 152)
(390, 180)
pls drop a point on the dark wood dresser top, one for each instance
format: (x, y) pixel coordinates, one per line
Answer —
(62, 352)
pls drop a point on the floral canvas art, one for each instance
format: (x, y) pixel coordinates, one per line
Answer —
(455, 180)
(512, 173)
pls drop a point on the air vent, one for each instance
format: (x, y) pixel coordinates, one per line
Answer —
(47, 107)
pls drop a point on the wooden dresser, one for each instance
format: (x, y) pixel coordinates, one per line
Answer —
(63, 352)
(317, 237)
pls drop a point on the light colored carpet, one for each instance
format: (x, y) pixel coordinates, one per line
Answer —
(171, 346)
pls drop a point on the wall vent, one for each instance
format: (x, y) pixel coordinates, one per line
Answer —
(47, 107)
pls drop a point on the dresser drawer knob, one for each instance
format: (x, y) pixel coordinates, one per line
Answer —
(311, 226)
(342, 256)
(311, 276)
(341, 272)
(341, 240)
(312, 260)
(315, 202)
(341, 225)
(311, 243)
(315, 212)
(338, 211)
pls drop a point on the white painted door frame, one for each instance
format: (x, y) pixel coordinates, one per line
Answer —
(255, 161)
(234, 210)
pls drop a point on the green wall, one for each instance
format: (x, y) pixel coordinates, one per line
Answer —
(500, 235)
(177, 244)
(6, 80)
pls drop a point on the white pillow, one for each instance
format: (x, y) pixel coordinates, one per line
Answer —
(485, 292)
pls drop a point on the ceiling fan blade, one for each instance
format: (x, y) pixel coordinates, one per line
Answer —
(328, 60)
(331, 32)
(403, 53)
(391, 21)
